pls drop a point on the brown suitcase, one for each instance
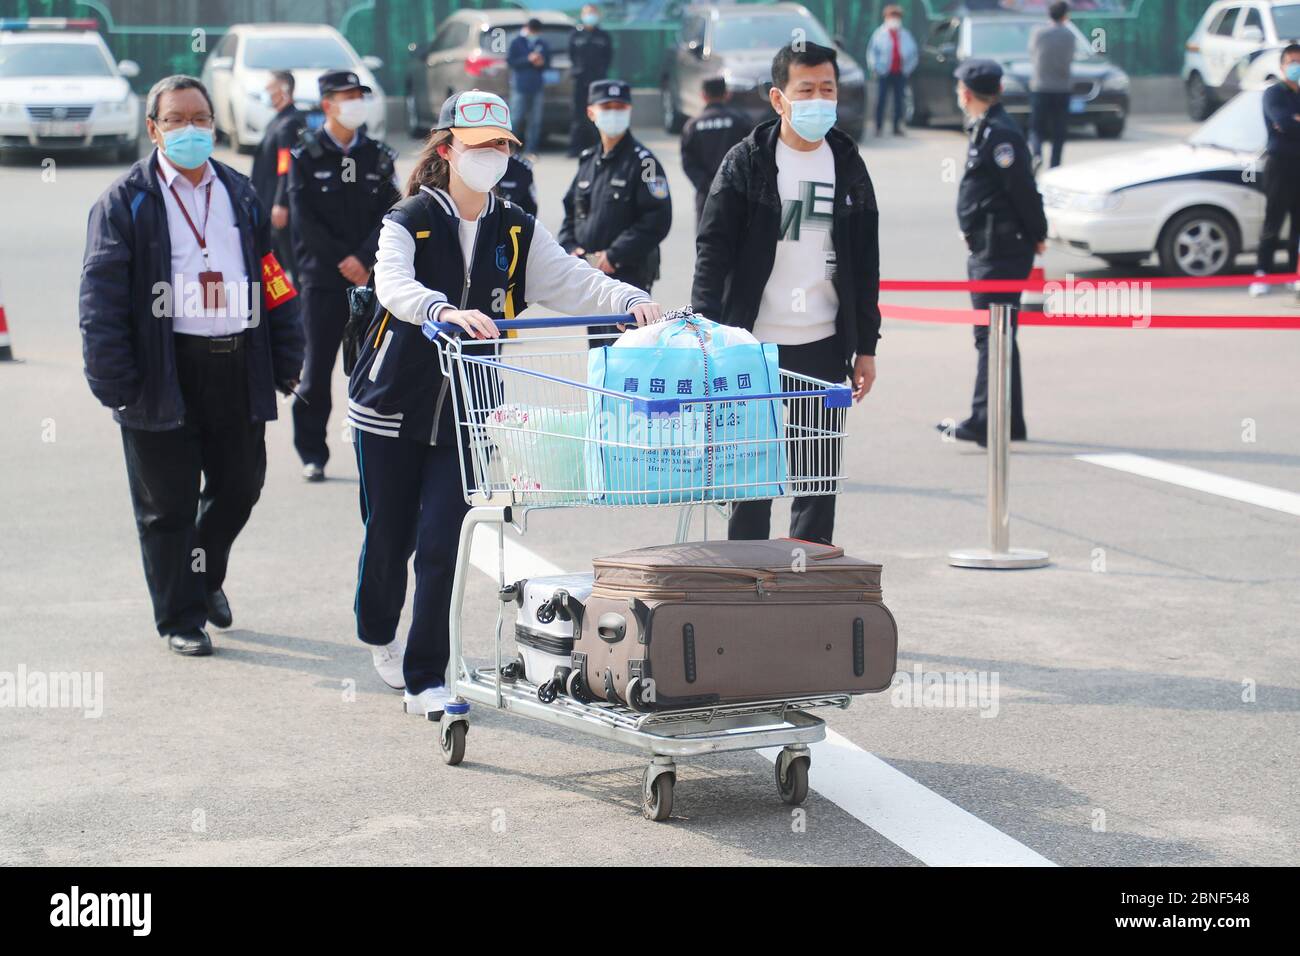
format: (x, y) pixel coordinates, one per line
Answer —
(712, 622)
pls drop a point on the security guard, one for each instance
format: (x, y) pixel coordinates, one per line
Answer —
(517, 185)
(271, 164)
(341, 182)
(1001, 215)
(591, 51)
(617, 209)
(707, 138)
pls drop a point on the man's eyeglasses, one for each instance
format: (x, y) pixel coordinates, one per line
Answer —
(478, 112)
(173, 121)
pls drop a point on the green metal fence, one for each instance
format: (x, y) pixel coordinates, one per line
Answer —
(168, 36)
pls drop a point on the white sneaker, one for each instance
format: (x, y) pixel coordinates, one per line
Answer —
(1258, 289)
(427, 703)
(388, 662)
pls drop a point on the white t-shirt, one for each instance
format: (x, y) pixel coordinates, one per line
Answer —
(799, 301)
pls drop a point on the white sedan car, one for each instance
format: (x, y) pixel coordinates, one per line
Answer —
(61, 90)
(238, 68)
(1196, 205)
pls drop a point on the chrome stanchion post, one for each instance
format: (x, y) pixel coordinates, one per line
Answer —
(999, 553)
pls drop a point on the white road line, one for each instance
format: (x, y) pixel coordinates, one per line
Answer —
(1261, 495)
(906, 813)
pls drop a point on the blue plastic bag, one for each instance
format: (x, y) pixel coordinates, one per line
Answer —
(666, 449)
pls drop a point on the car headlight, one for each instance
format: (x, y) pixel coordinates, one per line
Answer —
(738, 83)
(113, 107)
(11, 110)
(1115, 81)
(1012, 83)
(1096, 202)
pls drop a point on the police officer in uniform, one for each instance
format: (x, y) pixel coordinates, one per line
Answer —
(1001, 215)
(617, 209)
(341, 182)
(707, 138)
(517, 185)
(591, 50)
(271, 163)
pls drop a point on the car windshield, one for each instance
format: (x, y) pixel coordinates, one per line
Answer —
(1239, 125)
(53, 59)
(737, 31)
(1011, 38)
(296, 53)
(1287, 21)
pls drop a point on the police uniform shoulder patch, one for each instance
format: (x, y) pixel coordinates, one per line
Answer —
(658, 187)
(1004, 154)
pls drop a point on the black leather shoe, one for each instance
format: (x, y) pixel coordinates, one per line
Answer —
(194, 643)
(963, 432)
(219, 609)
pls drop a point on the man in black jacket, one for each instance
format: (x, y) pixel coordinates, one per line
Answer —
(788, 248)
(708, 137)
(271, 163)
(188, 328)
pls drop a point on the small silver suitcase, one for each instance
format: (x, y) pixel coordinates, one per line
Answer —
(550, 614)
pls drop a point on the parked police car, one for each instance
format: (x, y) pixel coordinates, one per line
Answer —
(61, 90)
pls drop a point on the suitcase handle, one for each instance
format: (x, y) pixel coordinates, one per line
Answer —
(612, 627)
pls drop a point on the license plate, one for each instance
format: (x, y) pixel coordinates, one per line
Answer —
(60, 128)
(550, 76)
(1078, 104)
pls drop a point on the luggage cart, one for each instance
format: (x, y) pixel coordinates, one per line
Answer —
(526, 441)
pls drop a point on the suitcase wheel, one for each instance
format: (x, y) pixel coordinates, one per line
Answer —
(639, 695)
(548, 691)
(576, 688)
(792, 775)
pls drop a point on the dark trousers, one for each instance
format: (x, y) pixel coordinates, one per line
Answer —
(526, 112)
(582, 131)
(1014, 265)
(186, 532)
(1049, 117)
(411, 503)
(282, 243)
(812, 517)
(1281, 202)
(896, 84)
(324, 315)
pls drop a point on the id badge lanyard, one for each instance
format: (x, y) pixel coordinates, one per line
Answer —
(214, 289)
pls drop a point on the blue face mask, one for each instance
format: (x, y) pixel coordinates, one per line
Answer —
(811, 119)
(590, 19)
(188, 147)
(1293, 72)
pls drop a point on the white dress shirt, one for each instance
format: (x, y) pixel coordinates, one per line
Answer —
(216, 223)
(556, 279)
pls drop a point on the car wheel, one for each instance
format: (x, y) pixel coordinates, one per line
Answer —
(1199, 242)
(1200, 102)
(673, 119)
(1110, 129)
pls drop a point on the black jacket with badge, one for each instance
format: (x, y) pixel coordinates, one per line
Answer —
(619, 204)
(999, 208)
(278, 140)
(517, 185)
(736, 242)
(591, 50)
(336, 203)
(706, 139)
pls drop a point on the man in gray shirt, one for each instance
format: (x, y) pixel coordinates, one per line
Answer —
(1051, 48)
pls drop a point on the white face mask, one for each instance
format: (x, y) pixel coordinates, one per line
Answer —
(350, 113)
(893, 23)
(481, 169)
(613, 122)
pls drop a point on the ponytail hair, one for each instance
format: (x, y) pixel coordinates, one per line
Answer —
(431, 169)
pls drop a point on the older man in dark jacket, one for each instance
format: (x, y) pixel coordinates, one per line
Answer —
(788, 248)
(188, 328)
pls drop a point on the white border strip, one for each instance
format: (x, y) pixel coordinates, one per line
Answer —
(906, 813)
(1262, 496)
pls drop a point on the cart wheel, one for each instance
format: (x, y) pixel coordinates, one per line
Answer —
(452, 741)
(657, 797)
(576, 688)
(794, 788)
(548, 691)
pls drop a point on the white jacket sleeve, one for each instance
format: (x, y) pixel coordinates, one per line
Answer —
(395, 284)
(570, 285)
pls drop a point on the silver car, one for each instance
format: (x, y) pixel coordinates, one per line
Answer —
(469, 52)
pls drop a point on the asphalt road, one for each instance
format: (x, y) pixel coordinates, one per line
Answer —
(1148, 680)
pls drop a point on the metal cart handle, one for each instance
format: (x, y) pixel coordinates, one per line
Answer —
(433, 329)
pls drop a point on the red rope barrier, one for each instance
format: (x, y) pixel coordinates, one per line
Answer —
(907, 313)
(1035, 285)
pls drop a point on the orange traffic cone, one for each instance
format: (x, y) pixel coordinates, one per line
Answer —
(6, 350)
(1032, 299)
